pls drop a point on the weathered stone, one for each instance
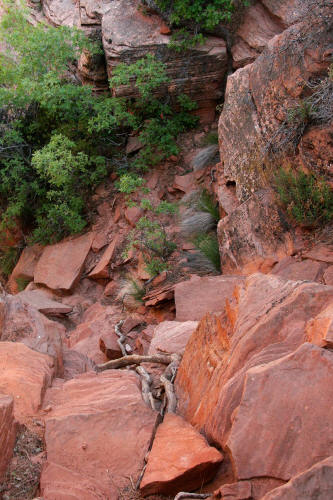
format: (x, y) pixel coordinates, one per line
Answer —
(321, 253)
(7, 432)
(208, 294)
(23, 323)
(25, 268)
(315, 483)
(267, 320)
(320, 328)
(171, 337)
(24, 374)
(235, 491)
(75, 363)
(61, 265)
(38, 300)
(301, 384)
(101, 270)
(184, 183)
(132, 215)
(307, 270)
(328, 276)
(180, 459)
(254, 231)
(113, 428)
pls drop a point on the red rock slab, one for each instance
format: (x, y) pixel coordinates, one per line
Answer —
(180, 459)
(328, 276)
(275, 431)
(315, 483)
(101, 270)
(267, 320)
(185, 183)
(172, 337)
(25, 374)
(199, 296)
(321, 253)
(61, 265)
(100, 241)
(100, 428)
(25, 268)
(60, 483)
(23, 323)
(132, 215)
(307, 270)
(320, 329)
(235, 491)
(43, 304)
(7, 432)
(109, 346)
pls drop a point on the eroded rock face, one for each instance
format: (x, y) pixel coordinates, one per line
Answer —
(267, 321)
(180, 459)
(25, 268)
(259, 95)
(7, 432)
(99, 431)
(254, 231)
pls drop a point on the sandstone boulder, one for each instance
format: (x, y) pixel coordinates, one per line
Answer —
(268, 320)
(24, 374)
(180, 459)
(61, 265)
(101, 270)
(99, 428)
(7, 432)
(315, 483)
(171, 337)
(300, 385)
(25, 268)
(24, 323)
(38, 300)
(307, 270)
(198, 296)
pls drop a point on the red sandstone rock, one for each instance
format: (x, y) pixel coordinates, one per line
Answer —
(132, 215)
(328, 276)
(180, 459)
(198, 296)
(101, 270)
(109, 346)
(320, 328)
(307, 270)
(23, 323)
(38, 300)
(315, 483)
(60, 265)
(25, 268)
(235, 491)
(75, 363)
(112, 431)
(7, 432)
(184, 183)
(301, 385)
(100, 241)
(171, 337)
(321, 253)
(267, 321)
(25, 374)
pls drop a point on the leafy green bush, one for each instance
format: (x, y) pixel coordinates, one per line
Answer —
(128, 183)
(307, 198)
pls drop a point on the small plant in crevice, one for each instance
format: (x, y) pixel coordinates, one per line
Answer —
(201, 214)
(8, 260)
(22, 283)
(307, 198)
(138, 290)
(208, 245)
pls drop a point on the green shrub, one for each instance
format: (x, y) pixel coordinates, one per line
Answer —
(128, 183)
(208, 245)
(138, 291)
(206, 203)
(307, 198)
(8, 260)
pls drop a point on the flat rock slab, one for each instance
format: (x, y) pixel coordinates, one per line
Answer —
(99, 428)
(199, 296)
(307, 270)
(321, 253)
(7, 432)
(315, 483)
(172, 337)
(101, 270)
(61, 265)
(43, 304)
(180, 459)
(25, 268)
(24, 374)
(301, 384)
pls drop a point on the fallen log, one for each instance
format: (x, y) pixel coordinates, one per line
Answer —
(183, 494)
(135, 359)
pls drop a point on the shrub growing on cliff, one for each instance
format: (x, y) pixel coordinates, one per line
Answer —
(307, 198)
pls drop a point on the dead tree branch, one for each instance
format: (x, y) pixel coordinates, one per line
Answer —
(134, 359)
(146, 382)
(183, 494)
